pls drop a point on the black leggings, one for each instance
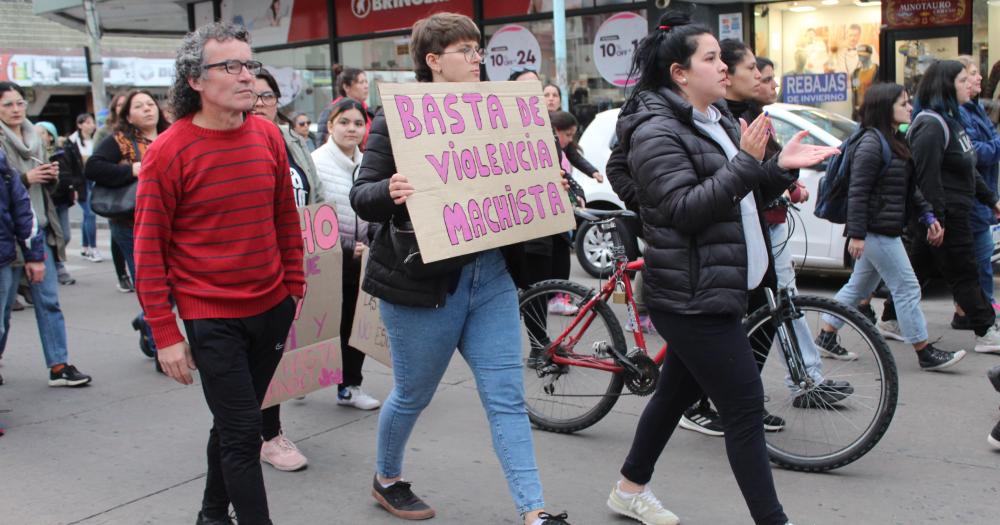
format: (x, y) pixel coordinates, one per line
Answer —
(709, 353)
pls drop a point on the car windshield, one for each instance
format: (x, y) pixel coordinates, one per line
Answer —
(832, 123)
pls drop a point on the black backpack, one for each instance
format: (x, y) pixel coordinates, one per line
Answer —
(831, 197)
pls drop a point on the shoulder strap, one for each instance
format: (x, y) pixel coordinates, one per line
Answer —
(886, 152)
(936, 116)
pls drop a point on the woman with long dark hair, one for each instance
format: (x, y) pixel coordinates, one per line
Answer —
(115, 163)
(473, 308)
(700, 176)
(945, 164)
(878, 207)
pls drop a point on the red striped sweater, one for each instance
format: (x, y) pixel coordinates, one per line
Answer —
(215, 225)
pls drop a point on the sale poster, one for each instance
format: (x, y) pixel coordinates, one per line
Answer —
(512, 48)
(614, 45)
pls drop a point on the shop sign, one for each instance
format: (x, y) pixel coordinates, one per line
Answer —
(43, 70)
(814, 88)
(511, 48)
(138, 72)
(900, 14)
(357, 17)
(614, 45)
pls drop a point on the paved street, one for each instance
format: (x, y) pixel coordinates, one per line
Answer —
(130, 448)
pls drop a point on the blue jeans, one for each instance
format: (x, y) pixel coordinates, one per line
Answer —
(885, 258)
(10, 277)
(982, 245)
(48, 313)
(63, 213)
(124, 238)
(481, 319)
(88, 228)
(786, 279)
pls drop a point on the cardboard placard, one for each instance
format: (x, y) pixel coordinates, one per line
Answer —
(312, 351)
(482, 160)
(368, 333)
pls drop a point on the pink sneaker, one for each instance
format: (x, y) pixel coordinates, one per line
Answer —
(996, 307)
(561, 305)
(282, 454)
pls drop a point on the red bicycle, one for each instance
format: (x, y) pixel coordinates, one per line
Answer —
(577, 362)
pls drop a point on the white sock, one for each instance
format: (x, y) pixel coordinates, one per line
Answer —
(385, 485)
(624, 494)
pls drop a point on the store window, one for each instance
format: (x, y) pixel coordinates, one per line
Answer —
(825, 52)
(986, 46)
(527, 7)
(588, 92)
(383, 59)
(303, 75)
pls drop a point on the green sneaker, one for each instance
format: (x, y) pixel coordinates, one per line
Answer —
(643, 507)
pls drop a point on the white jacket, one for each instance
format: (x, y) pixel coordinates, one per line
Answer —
(337, 172)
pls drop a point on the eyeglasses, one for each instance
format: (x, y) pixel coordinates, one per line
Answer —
(471, 53)
(235, 67)
(268, 98)
(303, 123)
(20, 104)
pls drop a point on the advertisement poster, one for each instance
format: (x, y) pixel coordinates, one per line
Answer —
(312, 351)
(614, 45)
(482, 159)
(511, 48)
(813, 89)
(43, 70)
(731, 26)
(275, 22)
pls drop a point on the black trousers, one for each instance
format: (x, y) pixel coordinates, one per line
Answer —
(236, 359)
(710, 354)
(955, 261)
(538, 268)
(353, 359)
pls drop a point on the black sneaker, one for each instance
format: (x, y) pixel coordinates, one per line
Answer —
(205, 520)
(830, 347)
(994, 437)
(146, 346)
(867, 311)
(66, 278)
(994, 376)
(68, 376)
(823, 395)
(702, 418)
(931, 358)
(125, 284)
(400, 501)
(961, 322)
(773, 423)
(553, 519)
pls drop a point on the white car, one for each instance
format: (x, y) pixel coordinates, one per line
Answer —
(815, 243)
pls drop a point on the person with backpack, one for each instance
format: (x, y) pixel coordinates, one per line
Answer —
(945, 163)
(881, 196)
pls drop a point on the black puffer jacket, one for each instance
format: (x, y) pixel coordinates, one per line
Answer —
(880, 205)
(689, 196)
(384, 277)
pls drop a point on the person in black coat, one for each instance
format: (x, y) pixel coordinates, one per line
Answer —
(699, 176)
(878, 207)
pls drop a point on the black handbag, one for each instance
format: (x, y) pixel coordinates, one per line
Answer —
(404, 244)
(116, 203)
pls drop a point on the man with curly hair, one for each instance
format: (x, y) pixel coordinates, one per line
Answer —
(217, 230)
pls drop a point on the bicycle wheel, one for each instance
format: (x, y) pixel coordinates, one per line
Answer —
(820, 435)
(566, 398)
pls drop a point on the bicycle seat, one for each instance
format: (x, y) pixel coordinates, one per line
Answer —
(595, 215)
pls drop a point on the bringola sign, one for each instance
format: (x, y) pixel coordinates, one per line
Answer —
(482, 159)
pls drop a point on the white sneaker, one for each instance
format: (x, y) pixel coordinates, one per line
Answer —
(95, 256)
(560, 305)
(643, 507)
(282, 454)
(890, 330)
(353, 396)
(990, 342)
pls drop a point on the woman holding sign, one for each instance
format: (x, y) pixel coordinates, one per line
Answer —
(428, 314)
(700, 179)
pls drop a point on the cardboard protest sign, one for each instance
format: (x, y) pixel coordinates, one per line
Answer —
(312, 351)
(368, 332)
(482, 160)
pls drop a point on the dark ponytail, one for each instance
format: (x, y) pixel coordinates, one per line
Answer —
(674, 41)
(733, 52)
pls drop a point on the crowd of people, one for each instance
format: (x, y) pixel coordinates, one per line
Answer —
(696, 156)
